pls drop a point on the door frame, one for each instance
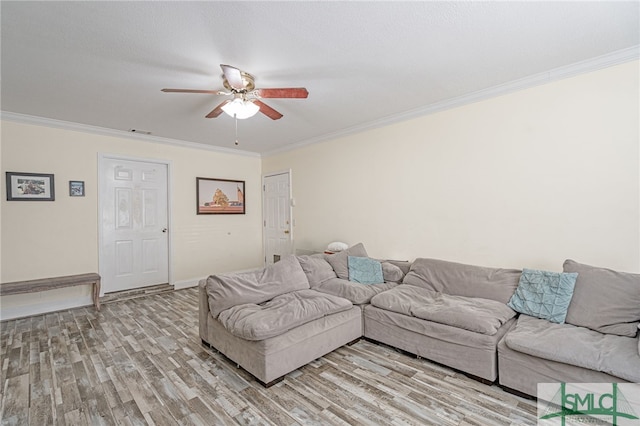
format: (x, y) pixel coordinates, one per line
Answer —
(264, 212)
(103, 157)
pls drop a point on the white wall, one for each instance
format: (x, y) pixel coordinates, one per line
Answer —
(521, 180)
(46, 239)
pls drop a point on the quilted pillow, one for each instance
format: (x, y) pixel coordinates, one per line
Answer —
(544, 295)
(365, 270)
(339, 261)
(604, 300)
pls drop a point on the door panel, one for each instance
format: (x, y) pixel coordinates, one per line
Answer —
(150, 207)
(278, 235)
(134, 214)
(124, 257)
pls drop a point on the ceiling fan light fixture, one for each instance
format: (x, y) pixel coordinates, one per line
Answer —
(246, 98)
(241, 109)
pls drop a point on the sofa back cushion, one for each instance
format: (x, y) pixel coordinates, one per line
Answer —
(317, 269)
(340, 261)
(604, 300)
(227, 290)
(403, 265)
(391, 272)
(463, 280)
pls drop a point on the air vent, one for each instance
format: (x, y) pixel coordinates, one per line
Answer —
(142, 132)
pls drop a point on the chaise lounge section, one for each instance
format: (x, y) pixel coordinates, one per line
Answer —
(270, 322)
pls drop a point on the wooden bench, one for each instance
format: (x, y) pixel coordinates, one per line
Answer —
(44, 284)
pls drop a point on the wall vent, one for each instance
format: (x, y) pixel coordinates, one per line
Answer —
(142, 132)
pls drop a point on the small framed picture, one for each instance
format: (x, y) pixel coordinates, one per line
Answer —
(76, 188)
(30, 187)
(220, 196)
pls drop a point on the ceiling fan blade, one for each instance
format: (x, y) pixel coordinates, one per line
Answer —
(233, 76)
(267, 110)
(290, 92)
(213, 92)
(217, 110)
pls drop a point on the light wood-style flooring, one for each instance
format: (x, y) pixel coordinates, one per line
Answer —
(140, 362)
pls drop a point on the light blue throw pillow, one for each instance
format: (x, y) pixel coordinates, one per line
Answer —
(365, 270)
(543, 294)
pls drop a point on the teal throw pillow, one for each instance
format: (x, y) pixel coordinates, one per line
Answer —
(544, 294)
(365, 270)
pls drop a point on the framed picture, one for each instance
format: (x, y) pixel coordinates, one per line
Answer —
(220, 196)
(76, 188)
(30, 187)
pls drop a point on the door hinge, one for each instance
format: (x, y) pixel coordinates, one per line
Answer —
(264, 187)
(265, 223)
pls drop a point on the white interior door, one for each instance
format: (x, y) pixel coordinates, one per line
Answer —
(278, 231)
(134, 248)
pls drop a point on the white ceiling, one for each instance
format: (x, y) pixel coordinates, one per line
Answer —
(364, 63)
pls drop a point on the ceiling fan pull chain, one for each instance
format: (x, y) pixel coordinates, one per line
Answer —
(235, 117)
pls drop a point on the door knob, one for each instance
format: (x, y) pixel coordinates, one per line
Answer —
(164, 229)
(286, 231)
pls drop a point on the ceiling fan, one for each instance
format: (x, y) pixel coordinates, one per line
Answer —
(246, 98)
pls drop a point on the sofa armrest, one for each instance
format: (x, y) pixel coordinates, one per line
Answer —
(203, 308)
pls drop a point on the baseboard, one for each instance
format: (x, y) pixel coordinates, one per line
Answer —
(14, 312)
(179, 285)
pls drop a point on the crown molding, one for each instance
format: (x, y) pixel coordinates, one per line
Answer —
(582, 67)
(67, 125)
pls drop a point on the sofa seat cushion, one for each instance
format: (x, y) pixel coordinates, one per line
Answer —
(431, 330)
(470, 313)
(579, 346)
(280, 314)
(357, 293)
(459, 279)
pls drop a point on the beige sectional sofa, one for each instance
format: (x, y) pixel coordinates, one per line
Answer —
(455, 314)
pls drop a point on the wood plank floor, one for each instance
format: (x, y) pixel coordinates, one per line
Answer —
(141, 362)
